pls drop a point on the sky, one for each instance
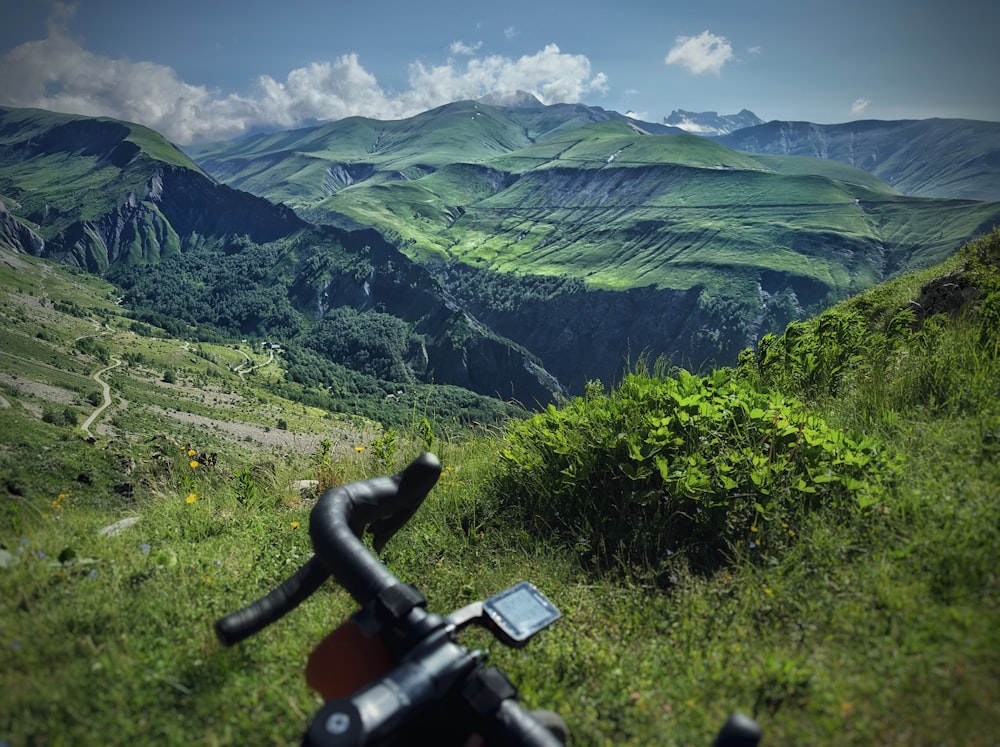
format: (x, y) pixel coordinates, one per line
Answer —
(204, 70)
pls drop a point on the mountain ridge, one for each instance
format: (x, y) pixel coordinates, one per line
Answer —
(618, 241)
(937, 157)
(711, 124)
(79, 191)
(757, 240)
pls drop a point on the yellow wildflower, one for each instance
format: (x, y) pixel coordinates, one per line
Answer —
(191, 498)
(193, 464)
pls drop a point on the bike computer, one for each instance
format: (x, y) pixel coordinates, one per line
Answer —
(520, 612)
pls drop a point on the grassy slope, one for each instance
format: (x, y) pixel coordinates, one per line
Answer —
(881, 631)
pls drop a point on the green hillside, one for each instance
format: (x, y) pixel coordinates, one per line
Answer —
(809, 537)
(78, 166)
(202, 259)
(603, 201)
(617, 241)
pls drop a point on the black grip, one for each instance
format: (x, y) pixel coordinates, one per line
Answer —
(243, 623)
(514, 726)
(385, 503)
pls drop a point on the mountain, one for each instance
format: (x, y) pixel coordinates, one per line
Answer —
(196, 256)
(516, 100)
(96, 191)
(711, 124)
(510, 250)
(662, 242)
(954, 158)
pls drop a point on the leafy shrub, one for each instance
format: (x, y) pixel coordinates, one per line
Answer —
(56, 416)
(685, 464)
(810, 357)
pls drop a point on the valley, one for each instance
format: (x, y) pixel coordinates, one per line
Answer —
(616, 239)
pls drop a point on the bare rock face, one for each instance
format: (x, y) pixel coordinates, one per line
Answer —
(945, 295)
(16, 236)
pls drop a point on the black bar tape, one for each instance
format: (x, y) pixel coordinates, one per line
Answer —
(243, 623)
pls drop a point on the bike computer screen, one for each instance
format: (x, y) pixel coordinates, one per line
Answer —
(520, 612)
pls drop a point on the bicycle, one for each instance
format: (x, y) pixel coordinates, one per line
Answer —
(394, 672)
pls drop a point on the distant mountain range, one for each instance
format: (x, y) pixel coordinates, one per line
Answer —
(195, 256)
(526, 249)
(927, 157)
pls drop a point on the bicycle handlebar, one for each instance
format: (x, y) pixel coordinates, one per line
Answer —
(257, 615)
(431, 666)
(336, 523)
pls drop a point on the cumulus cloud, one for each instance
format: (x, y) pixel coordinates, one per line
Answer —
(59, 74)
(460, 47)
(859, 106)
(705, 53)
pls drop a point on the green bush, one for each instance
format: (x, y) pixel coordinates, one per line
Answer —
(59, 416)
(693, 466)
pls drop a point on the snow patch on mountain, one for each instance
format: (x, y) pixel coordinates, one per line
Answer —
(711, 124)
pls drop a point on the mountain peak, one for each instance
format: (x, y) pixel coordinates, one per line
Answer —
(711, 124)
(511, 100)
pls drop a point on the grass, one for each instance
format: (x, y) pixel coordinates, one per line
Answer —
(870, 627)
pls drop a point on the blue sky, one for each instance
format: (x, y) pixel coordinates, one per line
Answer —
(201, 70)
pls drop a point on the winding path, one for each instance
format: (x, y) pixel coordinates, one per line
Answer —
(249, 367)
(107, 397)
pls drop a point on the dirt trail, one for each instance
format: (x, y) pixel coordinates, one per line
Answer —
(106, 391)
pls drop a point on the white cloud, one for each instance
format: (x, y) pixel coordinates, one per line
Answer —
(459, 47)
(510, 32)
(57, 73)
(705, 53)
(859, 106)
(551, 75)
